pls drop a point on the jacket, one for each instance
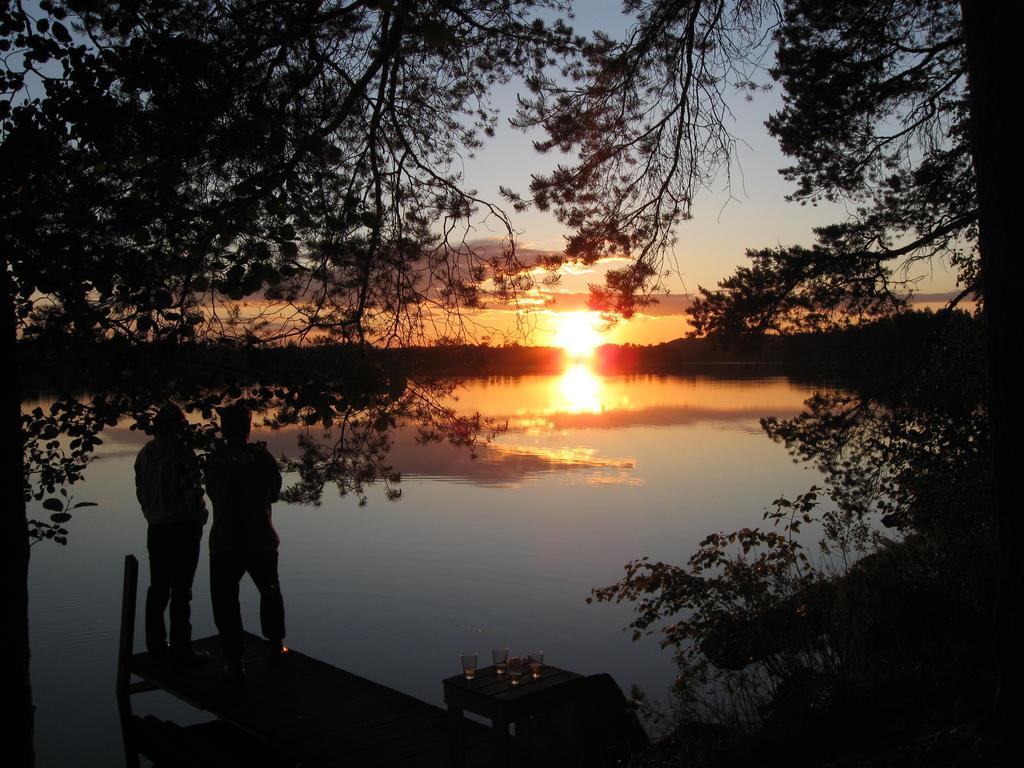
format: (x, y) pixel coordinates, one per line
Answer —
(168, 483)
(242, 482)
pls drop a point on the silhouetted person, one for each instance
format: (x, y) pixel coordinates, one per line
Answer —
(168, 486)
(242, 480)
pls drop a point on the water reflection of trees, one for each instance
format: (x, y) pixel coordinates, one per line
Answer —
(350, 449)
(344, 406)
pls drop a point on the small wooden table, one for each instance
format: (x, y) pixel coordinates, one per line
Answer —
(493, 696)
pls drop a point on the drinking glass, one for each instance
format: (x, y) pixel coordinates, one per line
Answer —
(536, 660)
(515, 669)
(500, 658)
(469, 665)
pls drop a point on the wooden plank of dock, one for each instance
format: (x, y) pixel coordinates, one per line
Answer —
(312, 713)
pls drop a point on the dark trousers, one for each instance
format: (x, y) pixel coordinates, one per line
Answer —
(226, 571)
(173, 557)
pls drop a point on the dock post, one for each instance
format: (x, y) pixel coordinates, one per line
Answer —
(127, 641)
(126, 647)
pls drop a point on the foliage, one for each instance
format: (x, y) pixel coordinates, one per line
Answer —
(54, 462)
(185, 156)
(647, 117)
(740, 607)
(875, 114)
(855, 598)
(202, 172)
(794, 290)
(883, 633)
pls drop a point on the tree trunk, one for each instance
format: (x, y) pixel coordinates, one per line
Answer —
(14, 549)
(990, 32)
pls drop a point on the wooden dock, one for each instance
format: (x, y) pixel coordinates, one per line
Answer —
(305, 711)
(311, 713)
(301, 711)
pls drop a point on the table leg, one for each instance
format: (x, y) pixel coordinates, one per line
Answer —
(573, 728)
(457, 736)
(502, 742)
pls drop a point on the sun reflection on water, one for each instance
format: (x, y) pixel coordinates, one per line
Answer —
(579, 390)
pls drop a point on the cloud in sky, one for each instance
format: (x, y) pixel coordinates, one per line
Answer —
(670, 305)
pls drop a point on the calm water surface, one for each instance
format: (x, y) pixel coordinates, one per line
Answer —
(498, 550)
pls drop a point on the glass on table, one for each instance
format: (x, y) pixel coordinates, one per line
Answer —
(536, 661)
(469, 665)
(500, 658)
(515, 669)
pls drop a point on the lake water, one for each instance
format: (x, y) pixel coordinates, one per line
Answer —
(498, 550)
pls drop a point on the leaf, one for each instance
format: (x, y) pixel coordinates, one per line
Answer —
(60, 517)
(61, 32)
(81, 504)
(435, 34)
(54, 505)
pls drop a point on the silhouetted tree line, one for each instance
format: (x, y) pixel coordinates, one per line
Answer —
(838, 353)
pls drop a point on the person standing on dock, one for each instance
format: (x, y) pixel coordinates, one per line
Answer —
(169, 489)
(242, 480)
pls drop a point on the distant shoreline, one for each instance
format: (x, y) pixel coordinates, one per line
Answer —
(881, 347)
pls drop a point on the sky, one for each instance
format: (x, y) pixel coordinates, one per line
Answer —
(747, 211)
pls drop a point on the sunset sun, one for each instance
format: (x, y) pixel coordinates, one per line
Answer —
(577, 333)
